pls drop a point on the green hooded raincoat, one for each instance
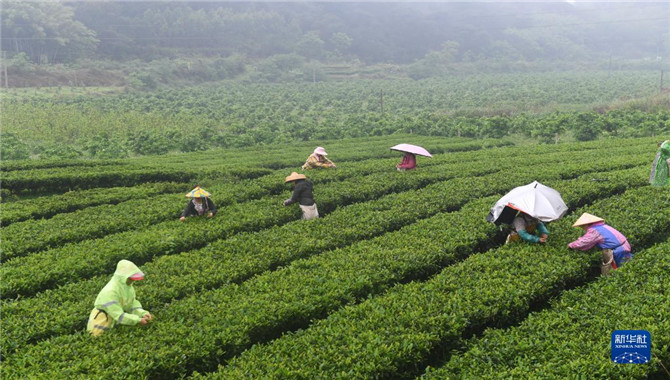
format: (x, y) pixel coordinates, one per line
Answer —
(117, 299)
(660, 167)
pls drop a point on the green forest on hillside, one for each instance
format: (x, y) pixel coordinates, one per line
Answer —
(149, 44)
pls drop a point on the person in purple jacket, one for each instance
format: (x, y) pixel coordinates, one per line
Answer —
(615, 246)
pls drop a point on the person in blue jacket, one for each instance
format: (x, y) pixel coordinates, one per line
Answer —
(616, 249)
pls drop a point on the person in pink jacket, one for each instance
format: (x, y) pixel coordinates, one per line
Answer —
(408, 162)
(615, 246)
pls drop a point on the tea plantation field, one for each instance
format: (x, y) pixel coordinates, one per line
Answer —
(401, 276)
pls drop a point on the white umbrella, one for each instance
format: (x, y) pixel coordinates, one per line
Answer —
(409, 148)
(535, 199)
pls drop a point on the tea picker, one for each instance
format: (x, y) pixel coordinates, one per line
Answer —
(200, 204)
(660, 169)
(409, 159)
(615, 247)
(526, 208)
(318, 159)
(302, 194)
(116, 302)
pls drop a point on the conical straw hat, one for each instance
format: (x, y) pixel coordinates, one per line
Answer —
(294, 177)
(198, 192)
(587, 218)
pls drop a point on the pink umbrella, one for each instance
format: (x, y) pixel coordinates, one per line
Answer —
(409, 148)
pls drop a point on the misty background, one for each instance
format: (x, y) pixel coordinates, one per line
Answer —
(152, 44)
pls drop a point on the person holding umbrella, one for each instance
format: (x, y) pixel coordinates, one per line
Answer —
(200, 204)
(528, 229)
(116, 302)
(527, 208)
(318, 160)
(409, 160)
(302, 194)
(660, 169)
(615, 247)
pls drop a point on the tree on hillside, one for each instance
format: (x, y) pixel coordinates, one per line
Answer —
(46, 31)
(310, 46)
(341, 43)
(435, 63)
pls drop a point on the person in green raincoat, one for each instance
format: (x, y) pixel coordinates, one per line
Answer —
(116, 302)
(661, 167)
